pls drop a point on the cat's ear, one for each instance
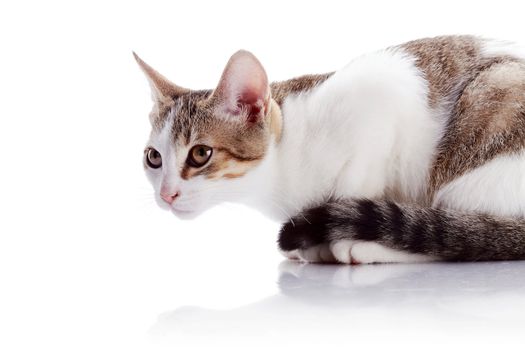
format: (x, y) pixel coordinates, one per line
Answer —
(163, 91)
(243, 90)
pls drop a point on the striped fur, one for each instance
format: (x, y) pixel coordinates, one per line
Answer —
(443, 234)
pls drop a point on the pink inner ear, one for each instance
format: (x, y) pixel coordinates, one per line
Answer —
(244, 87)
(253, 104)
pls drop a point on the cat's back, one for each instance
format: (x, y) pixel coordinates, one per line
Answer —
(477, 87)
(449, 63)
(459, 102)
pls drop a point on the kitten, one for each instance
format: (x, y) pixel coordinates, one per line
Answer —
(410, 154)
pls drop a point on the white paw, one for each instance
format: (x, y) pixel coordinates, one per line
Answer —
(341, 250)
(358, 252)
(371, 252)
(290, 254)
(317, 254)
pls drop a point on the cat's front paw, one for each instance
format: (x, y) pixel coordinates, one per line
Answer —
(346, 252)
(290, 254)
(317, 254)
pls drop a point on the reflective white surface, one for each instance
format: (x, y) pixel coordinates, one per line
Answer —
(398, 306)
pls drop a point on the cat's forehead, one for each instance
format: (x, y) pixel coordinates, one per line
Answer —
(187, 115)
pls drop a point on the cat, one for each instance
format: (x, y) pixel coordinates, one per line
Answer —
(414, 153)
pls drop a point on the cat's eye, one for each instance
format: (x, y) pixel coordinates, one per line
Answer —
(153, 158)
(199, 155)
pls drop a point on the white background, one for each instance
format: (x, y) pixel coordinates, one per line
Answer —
(87, 261)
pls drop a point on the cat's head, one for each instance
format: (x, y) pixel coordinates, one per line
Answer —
(207, 146)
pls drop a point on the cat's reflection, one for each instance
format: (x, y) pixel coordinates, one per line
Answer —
(314, 295)
(394, 283)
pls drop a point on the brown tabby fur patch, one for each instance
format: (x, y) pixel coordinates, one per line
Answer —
(447, 63)
(488, 120)
(282, 89)
(482, 97)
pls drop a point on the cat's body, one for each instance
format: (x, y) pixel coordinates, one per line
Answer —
(408, 154)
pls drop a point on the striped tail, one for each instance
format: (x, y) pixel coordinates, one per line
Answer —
(441, 234)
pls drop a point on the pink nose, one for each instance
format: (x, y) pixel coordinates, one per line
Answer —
(169, 197)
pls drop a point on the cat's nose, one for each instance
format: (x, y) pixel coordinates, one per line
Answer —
(169, 197)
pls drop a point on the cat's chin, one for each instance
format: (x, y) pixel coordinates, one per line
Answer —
(185, 214)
